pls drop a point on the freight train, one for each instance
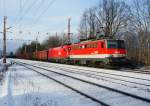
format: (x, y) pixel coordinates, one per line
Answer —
(99, 52)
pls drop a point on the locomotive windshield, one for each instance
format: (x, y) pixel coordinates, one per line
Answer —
(119, 44)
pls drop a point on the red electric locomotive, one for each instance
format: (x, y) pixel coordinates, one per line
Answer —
(59, 54)
(105, 51)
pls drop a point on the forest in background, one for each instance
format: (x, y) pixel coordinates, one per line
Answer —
(119, 19)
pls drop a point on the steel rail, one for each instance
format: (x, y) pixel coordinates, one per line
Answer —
(95, 84)
(74, 71)
(80, 92)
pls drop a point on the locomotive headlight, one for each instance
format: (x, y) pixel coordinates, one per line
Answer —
(117, 52)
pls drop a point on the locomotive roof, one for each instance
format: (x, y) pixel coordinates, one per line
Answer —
(83, 42)
(88, 41)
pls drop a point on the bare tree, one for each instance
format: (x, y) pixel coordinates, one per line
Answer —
(113, 16)
(83, 28)
(52, 41)
(141, 26)
(88, 24)
(110, 16)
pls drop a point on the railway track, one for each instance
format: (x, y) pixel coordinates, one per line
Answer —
(136, 71)
(130, 70)
(124, 69)
(102, 94)
(123, 80)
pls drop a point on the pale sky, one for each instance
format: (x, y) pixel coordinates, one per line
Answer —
(44, 16)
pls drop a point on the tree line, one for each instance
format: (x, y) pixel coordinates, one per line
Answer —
(50, 42)
(118, 19)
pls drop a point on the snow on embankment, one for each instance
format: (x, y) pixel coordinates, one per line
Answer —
(3, 68)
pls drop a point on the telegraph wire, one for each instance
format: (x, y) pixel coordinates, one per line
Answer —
(23, 6)
(20, 13)
(43, 12)
(40, 5)
(27, 10)
(17, 40)
(4, 8)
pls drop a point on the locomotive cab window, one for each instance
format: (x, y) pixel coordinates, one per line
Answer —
(119, 44)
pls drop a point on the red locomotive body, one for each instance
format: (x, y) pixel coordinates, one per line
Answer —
(59, 54)
(99, 51)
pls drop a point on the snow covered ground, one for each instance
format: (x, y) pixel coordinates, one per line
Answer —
(23, 87)
(119, 85)
(3, 68)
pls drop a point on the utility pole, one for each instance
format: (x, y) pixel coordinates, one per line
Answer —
(69, 19)
(36, 48)
(148, 47)
(4, 39)
(0, 54)
(25, 49)
(56, 34)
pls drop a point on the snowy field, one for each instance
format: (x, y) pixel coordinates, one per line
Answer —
(136, 88)
(23, 87)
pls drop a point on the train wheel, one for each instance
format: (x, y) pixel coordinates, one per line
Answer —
(100, 64)
(77, 62)
(89, 63)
